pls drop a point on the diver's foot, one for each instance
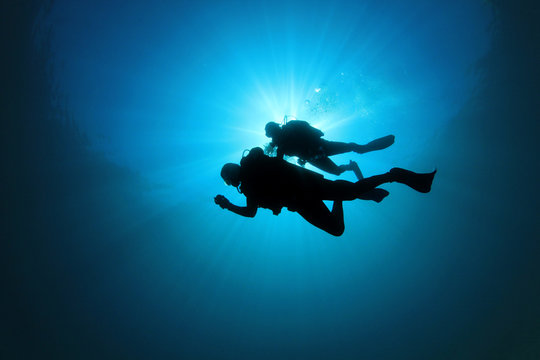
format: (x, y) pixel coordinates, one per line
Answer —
(347, 167)
(377, 144)
(418, 182)
(376, 195)
(353, 165)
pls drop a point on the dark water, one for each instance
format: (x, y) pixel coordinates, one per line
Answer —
(117, 116)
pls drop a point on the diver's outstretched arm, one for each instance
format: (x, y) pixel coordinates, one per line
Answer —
(248, 211)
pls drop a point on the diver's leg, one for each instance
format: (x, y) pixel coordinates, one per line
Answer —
(326, 164)
(370, 183)
(317, 214)
(377, 144)
(346, 190)
(337, 213)
(335, 147)
(376, 194)
(356, 169)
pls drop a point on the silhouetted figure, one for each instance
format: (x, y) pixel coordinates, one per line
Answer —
(298, 138)
(273, 183)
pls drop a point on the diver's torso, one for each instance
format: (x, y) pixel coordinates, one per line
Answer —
(273, 182)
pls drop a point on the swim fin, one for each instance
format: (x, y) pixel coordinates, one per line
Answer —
(377, 144)
(419, 182)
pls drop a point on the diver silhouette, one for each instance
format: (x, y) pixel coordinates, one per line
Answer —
(299, 138)
(273, 183)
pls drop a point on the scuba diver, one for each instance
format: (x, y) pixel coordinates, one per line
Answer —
(273, 183)
(298, 138)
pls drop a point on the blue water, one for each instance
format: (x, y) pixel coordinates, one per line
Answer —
(200, 81)
(129, 109)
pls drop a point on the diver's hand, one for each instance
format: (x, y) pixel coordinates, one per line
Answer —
(222, 201)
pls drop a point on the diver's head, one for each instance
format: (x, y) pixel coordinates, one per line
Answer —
(272, 129)
(231, 174)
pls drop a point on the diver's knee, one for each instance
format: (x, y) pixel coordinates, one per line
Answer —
(340, 170)
(337, 229)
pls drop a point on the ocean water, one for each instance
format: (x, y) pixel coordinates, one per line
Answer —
(118, 115)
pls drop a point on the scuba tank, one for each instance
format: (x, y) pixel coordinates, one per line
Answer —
(286, 118)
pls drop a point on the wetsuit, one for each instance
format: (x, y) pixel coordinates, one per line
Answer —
(273, 183)
(298, 138)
